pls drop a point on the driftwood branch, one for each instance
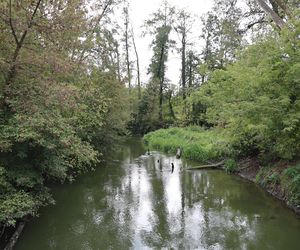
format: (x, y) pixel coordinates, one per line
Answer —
(218, 165)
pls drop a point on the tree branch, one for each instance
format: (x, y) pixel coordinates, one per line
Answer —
(249, 26)
(30, 22)
(81, 57)
(11, 25)
(277, 19)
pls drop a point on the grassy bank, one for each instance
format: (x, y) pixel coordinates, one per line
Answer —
(281, 179)
(196, 143)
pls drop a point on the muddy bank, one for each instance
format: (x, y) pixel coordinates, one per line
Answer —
(249, 170)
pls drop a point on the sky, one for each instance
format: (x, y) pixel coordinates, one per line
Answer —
(140, 10)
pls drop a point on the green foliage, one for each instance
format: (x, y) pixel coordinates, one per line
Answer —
(16, 205)
(58, 113)
(195, 142)
(145, 117)
(256, 100)
(291, 182)
(230, 166)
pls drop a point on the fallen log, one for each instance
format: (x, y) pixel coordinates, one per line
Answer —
(218, 165)
(13, 240)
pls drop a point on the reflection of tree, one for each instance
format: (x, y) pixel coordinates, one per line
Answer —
(160, 234)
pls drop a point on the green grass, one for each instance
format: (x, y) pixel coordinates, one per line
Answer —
(196, 143)
(291, 183)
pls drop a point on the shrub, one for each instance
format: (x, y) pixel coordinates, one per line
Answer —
(230, 166)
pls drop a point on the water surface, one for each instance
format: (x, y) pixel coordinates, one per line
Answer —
(136, 202)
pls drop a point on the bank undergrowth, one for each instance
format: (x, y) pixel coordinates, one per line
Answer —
(196, 143)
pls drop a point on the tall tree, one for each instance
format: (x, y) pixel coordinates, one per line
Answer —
(160, 26)
(183, 29)
(127, 44)
(137, 64)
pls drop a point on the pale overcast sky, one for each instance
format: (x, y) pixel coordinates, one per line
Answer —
(142, 9)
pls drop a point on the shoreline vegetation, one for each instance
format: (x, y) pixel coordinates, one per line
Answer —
(279, 178)
(70, 87)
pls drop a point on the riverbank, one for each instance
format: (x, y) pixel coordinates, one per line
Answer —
(279, 178)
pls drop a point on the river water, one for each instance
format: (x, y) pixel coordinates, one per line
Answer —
(136, 202)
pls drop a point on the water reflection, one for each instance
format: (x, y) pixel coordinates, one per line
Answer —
(139, 203)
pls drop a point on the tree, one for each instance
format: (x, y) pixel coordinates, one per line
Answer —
(160, 26)
(137, 64)
(272, 12)
(55, 117)
(126, 40)
(183, 29)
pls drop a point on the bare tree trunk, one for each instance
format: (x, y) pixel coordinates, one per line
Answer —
(183, 64)
(170, 105)
(190, 70)
(127, 47)
(283, 6)
(268, 10)
(118, 62)
(137, 64)
(161, 81)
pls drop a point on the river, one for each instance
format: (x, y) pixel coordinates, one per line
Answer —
(136, 202)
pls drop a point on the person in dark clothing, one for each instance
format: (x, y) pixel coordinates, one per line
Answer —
(172, 167)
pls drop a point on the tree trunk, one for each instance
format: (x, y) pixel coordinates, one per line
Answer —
(118, 62)
(170, 105)
(268, 10)
(160, 76)
(183, 64)
(127, 48)
(190, 70)
(137, 65)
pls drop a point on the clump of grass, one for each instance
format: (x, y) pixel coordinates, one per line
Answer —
(231, 166)
(196, 143)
